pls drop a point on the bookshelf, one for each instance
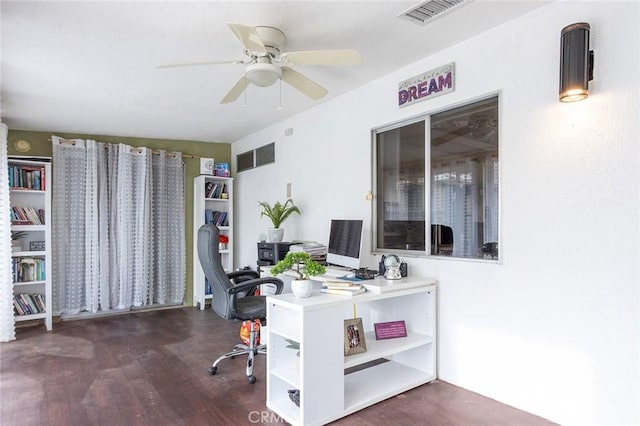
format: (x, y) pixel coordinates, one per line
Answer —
(213, 202)
(30, 193)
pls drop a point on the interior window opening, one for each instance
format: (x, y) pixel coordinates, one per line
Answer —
(462, 184)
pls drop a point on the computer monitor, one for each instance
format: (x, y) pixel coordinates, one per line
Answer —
(345, 240)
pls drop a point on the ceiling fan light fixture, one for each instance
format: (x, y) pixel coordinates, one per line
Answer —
(262, 74)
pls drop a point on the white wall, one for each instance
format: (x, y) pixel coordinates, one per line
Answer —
(554, 328)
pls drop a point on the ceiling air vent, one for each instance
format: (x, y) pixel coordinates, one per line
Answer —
(428, 10)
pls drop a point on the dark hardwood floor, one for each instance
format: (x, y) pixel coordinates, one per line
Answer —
(150, 368)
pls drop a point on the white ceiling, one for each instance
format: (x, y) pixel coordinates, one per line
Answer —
(90, 67)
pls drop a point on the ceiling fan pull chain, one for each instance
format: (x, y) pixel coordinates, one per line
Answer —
(280, 106)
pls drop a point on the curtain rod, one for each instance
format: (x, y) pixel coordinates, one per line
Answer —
(137, 150)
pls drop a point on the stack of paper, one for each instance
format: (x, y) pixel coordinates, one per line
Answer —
(310, 247)
(342, 288)
(317, 251)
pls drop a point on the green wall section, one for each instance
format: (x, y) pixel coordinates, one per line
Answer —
(221, 152)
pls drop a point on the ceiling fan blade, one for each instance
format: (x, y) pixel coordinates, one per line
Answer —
(236, 91)
(442, 136)
(248, 36)
(303, 84)
(195, 64)
(323, 57)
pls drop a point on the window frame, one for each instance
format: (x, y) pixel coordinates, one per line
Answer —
(374, 184)
(258, 157)
(426, 117)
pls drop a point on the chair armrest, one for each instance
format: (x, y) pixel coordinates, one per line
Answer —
(248, 285)
(243, 273)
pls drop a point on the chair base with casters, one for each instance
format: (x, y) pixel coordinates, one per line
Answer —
(250, 350)
(233, 296)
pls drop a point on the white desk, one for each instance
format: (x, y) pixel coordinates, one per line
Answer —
(317, 324)
(265, 271)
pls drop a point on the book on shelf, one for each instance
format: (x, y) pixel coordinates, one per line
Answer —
(341, 284)
(28, 304)
(215, 190)
(27, 216)
(17, 307)
(26, 269)
(26, 177)
(343, 291)
(342, 288)
(216, 217)
(208, 186)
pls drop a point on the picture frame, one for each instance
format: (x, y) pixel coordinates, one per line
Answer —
(354, 340)
(36, 246)
(207, 166)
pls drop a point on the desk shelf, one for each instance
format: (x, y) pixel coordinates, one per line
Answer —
(377, 349)
(387, 368)
(374, 384)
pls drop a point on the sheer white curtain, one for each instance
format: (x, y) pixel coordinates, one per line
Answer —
(7, 324)
(464, 196)
(118, 227)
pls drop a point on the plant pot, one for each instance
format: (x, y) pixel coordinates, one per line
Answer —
(301, 288)
(16, 245)
(275, 235)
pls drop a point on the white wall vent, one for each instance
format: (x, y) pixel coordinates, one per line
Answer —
(430, 9)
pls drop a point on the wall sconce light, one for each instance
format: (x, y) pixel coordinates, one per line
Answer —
(576, 62)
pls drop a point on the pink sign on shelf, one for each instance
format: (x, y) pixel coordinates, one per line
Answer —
(390, 330)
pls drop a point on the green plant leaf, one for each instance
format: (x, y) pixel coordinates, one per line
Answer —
(17, 235)
(278, 213)
(300, 263)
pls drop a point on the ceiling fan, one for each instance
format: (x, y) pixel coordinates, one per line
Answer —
(266, 63)
(479, 127)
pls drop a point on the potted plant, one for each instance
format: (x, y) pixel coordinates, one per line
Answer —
(278, 213)
(304, 267)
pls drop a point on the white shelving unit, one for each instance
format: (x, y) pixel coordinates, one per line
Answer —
(221, 201)
(317, 324)
(23, 197)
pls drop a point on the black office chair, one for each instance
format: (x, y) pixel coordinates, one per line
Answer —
(441, 240)
(233, 297)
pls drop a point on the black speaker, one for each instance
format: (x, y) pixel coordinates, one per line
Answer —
(403, 270)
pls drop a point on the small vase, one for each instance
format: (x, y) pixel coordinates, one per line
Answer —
(301, 288)
(16, 245)
(275, 235)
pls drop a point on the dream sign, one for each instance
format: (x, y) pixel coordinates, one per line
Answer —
(427, 85)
